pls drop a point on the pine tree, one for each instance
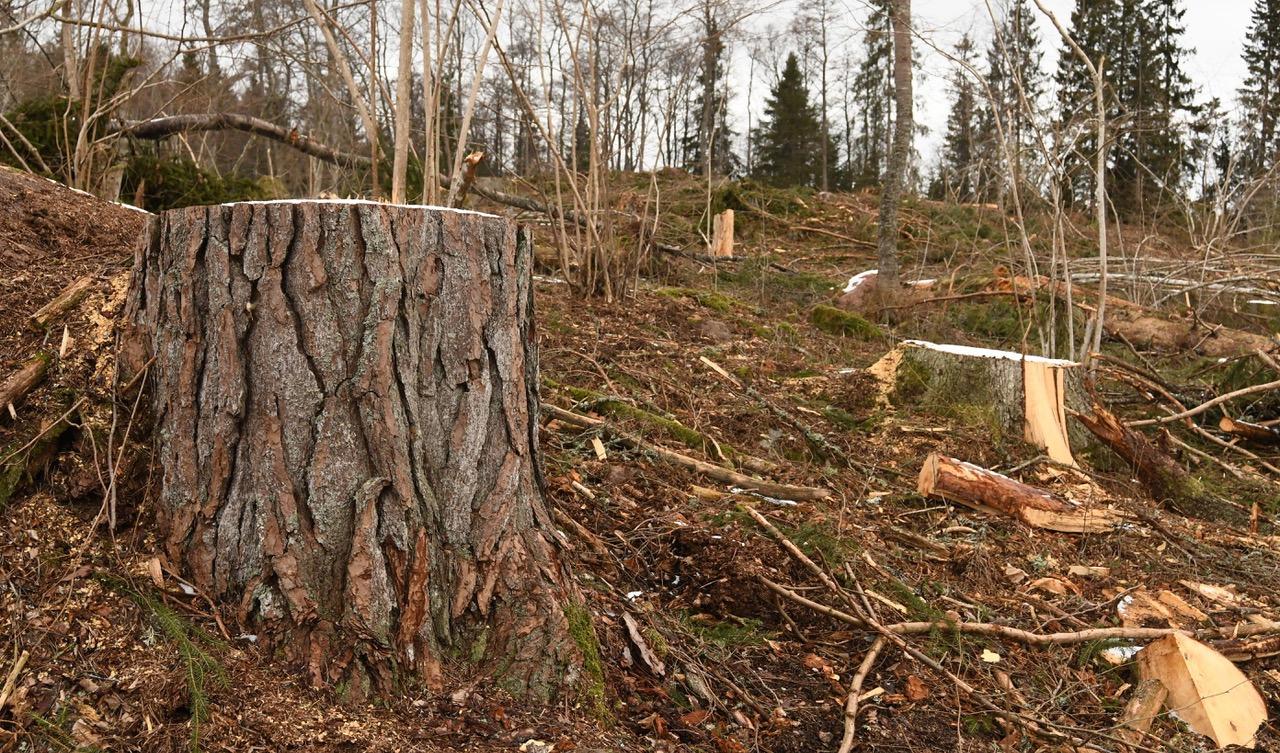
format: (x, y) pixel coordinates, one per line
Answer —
(788, 141)
(1260, 125)
(1015, 83)
(957, 176)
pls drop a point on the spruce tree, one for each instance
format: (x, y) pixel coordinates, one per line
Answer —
(873, 90)
(1148, 97)
(1015, 83)
(788, 140)
(1260, 124)
(957, 175)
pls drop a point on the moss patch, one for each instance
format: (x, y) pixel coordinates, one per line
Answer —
(583, 631)
(710, 299)
(843, 323)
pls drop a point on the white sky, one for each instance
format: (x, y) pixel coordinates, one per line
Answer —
(1214, 28)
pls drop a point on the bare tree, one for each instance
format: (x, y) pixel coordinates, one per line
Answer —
(896, 175)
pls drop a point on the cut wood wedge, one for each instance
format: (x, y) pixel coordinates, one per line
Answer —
(1205, 689)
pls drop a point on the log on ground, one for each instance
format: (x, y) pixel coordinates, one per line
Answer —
(991, 492)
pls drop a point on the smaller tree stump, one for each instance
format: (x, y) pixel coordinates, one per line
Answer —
(1017, 395)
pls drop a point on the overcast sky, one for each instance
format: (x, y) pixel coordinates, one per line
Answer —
(1214, 28)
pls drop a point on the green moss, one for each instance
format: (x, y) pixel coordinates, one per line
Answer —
(818, 541)
(998, 319)
(730, 633)
(981, 725)
(843, 323)
(478, 645)
(709, 299)
(582, 630)
(657, 642)
(27, 463)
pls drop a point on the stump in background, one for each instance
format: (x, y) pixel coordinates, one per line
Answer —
(346, 412)
(1016, 395)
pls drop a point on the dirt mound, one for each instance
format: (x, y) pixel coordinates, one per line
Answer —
(46, 220)
(51, 235)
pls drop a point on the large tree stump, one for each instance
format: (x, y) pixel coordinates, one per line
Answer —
(346, 412)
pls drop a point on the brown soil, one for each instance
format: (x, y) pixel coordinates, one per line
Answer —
(742, 671)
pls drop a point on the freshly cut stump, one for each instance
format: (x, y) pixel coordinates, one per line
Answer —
(1014, 394)
(346, 412)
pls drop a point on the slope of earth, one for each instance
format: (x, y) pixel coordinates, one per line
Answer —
(49, 237)
(727, 365)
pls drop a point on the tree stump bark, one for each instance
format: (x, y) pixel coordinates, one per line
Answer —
(346, 409)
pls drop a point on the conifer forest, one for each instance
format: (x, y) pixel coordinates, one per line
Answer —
(723, 376)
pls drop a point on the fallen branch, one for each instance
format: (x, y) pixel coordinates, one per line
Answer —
(22, 381)
(855, 691)
(65, 301)
(1159, 473)
(12, 680)
(1201, 408)
(710, 470)
(1238, 651)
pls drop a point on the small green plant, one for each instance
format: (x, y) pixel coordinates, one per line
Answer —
(202, 669)
(729, 633)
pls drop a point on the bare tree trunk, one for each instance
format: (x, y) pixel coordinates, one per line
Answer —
(895, 177)
(404, 80)
(346, 413)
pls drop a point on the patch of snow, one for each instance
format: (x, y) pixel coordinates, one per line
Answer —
(362, 202)
(1121, 654)
(86, 193)
(969, 350)
(858, 279)
(633, 595)
(765, 497)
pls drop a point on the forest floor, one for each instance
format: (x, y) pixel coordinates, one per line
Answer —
(122, 657)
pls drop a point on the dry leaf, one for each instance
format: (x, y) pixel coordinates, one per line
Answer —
(695, 717)
(1053, 585)
(646, 654)
(1015, 575)
(915, 689)
(1206, 690)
